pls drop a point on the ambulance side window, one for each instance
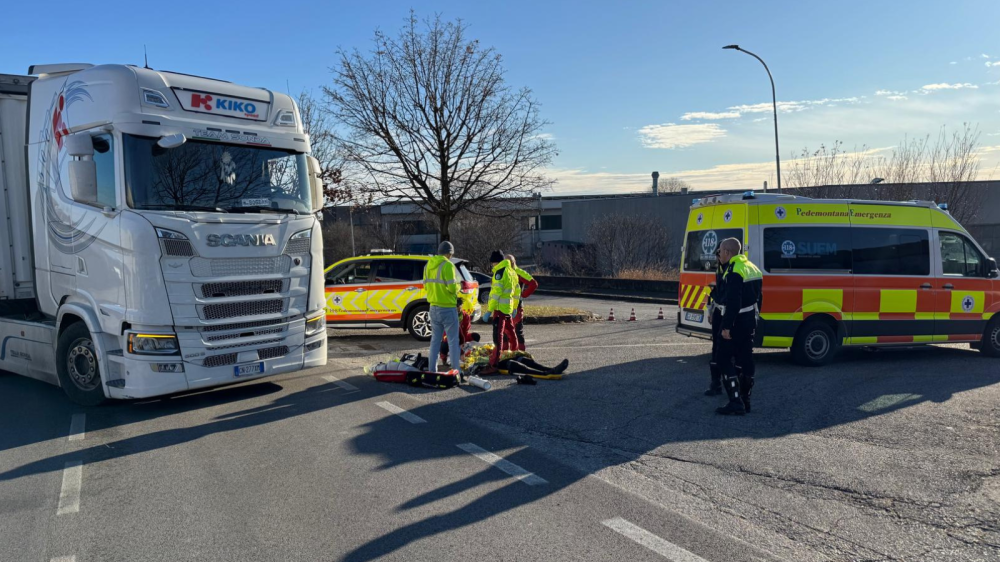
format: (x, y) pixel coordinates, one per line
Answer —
(891, 251)
(807, 248)
(357, 272)
(960, 258)
(398, 271)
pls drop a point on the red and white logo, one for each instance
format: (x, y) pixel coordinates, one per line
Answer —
(201, 101)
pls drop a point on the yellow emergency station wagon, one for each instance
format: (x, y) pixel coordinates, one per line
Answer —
(385, 290)
(846, 272)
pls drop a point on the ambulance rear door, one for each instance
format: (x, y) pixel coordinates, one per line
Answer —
(707, 227)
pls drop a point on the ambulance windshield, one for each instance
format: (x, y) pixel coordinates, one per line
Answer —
(699, 249)
(211, 176)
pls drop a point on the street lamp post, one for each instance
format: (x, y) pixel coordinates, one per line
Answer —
(774, 102)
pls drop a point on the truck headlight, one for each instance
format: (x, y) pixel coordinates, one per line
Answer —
(315, 325)
(153, 344)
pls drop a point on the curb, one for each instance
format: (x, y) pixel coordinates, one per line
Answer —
(603, 296)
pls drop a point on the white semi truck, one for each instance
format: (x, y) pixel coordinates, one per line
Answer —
(158, 232)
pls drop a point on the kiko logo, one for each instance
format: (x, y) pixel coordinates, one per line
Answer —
(215, 240)
(198, 100)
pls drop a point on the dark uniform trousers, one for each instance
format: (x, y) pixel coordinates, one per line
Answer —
(736, 357)
(715, 363)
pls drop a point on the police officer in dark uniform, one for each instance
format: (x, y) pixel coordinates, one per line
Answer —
(715, 320)
(741, 299)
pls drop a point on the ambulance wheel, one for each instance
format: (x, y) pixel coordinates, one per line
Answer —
(77, 366)
(815, 344)
(990, 345)
(419, 323)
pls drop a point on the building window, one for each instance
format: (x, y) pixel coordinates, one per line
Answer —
(551, 222)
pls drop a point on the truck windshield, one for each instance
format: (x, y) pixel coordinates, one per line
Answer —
(209, 176)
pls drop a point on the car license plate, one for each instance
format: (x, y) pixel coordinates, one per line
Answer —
(247, 370)
(694, 316)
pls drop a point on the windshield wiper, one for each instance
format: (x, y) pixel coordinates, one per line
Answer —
(263, 210)
(186, 208)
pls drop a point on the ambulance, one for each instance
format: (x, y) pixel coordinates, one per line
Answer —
(386, 290)
(845, 273)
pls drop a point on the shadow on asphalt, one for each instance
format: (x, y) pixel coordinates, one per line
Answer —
(644, 405)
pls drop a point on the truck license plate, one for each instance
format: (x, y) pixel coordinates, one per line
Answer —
(246, 370)
(694, 316)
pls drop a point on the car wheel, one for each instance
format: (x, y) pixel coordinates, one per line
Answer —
(484, 295)
(815, 344)
(77, 366)
(990, 345)
(419, 323)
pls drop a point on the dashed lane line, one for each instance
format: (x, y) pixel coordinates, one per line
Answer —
(342, 384)
(663, 547)
(77, 424)
(503, 464)
(69, 496)
(410, 417)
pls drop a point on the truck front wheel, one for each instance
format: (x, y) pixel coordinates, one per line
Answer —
(77, 366)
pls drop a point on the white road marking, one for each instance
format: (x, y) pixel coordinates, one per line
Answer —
(696, 342)
(663, 547)
(76, 427)
(389, 406)
(503, 464)
(340, 383)
(64, 559)
(69, 497)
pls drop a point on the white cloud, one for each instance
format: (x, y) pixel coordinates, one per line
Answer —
(888, 93)
(985, 56)
(709, 115)
(670, 135)
(946, 86)
(791, 106)
(952, 62)
(759, 119)
(545, 136)
(897, 98)
(995, 63)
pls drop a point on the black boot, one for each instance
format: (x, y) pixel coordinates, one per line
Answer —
(560, 368)
(746, 388)
(735, 406)
(715, 388)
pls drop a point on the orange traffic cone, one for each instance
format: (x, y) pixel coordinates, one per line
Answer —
(631, 317)
(611, 315)
(660, 315)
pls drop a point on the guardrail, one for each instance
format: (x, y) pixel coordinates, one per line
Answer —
(608, 286)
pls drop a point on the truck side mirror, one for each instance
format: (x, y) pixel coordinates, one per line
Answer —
(315, 183)
(79, 145)
(83, 180)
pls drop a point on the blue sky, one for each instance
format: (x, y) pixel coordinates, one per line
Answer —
(628, 86)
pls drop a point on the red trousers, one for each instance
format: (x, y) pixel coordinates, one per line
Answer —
(504, 338)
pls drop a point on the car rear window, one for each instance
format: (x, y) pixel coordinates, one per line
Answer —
(699, 251)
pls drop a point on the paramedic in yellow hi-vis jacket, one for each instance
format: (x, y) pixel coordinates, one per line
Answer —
(740, 297)
(442, 284)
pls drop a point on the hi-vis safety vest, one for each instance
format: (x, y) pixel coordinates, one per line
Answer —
(749, 289)
(505, 291)
(441, 282)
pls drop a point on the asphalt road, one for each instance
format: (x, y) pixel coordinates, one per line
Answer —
(882, 456)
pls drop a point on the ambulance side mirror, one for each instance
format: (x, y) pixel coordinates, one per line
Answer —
(994, 272)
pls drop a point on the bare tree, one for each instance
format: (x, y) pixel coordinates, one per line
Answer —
(477, 235)
(620, 242)
(915, 169)
(317, 123)
(430, 119)
(673, 185)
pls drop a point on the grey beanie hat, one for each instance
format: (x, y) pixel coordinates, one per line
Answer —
(446, 248)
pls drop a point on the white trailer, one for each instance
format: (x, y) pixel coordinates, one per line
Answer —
(157, 232)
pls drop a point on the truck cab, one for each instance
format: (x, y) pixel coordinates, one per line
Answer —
(171, 233)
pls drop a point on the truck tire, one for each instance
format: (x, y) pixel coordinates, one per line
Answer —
(990, 346)
(815, 344)
(77, 366)
(419, 323)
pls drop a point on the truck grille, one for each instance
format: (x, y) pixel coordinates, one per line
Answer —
(237, 335)
(298, 246)
(243, 325)
(245, 308)
(242, 288)
(231, 358)
(229, 267)
(245, 344)
(178, 248)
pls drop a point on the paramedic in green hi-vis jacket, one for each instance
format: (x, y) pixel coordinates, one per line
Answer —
(442, 284)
